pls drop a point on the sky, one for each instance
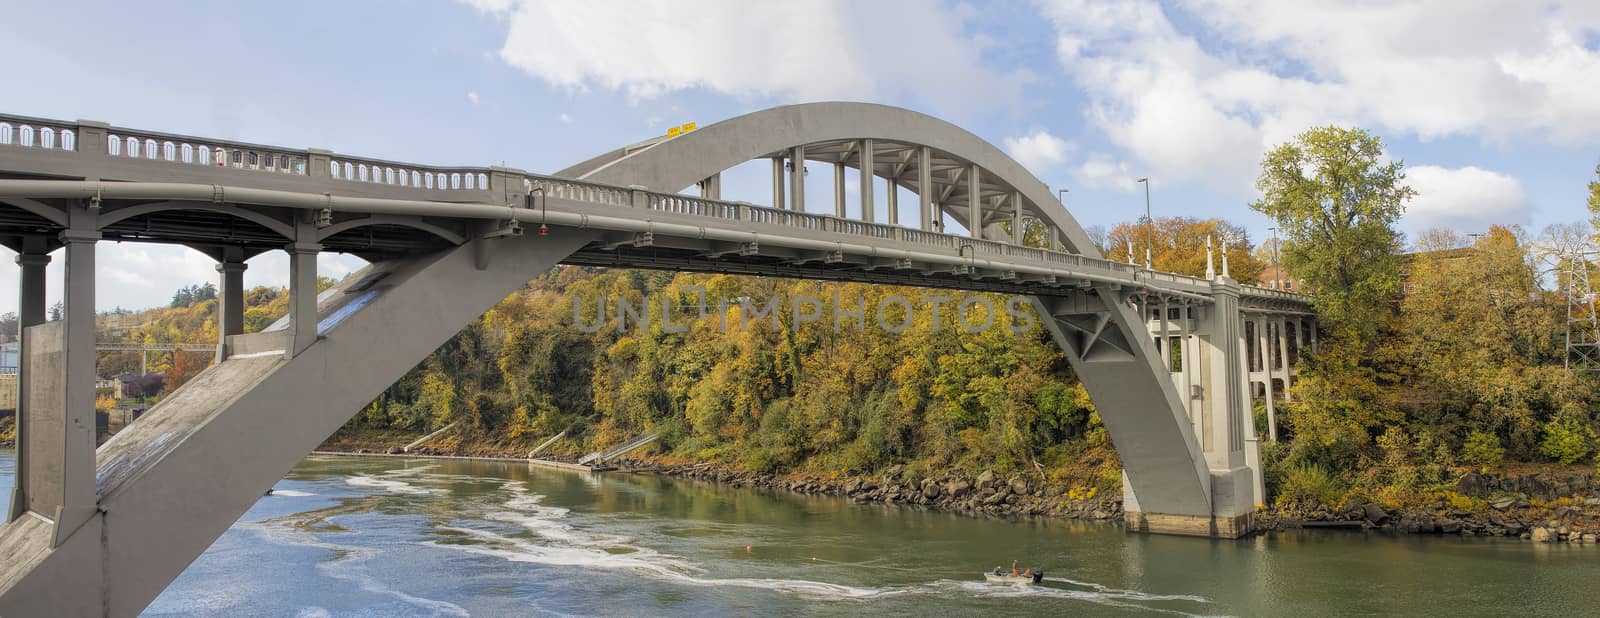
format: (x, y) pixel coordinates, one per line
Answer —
(1490, 104)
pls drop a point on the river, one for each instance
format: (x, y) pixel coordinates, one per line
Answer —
(348, 536)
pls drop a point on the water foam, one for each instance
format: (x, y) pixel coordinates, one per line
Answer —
(347, 565)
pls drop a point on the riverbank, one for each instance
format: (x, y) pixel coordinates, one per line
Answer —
(973, 492)
(1540, 506)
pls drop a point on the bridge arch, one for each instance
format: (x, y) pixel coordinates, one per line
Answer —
(1102, 335)
(411, 222)
(670, 164)
(122, 214)
(35, 207)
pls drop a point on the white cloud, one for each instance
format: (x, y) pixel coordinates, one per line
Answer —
(565, 119)
(1205, 104)
(472, 97)
(837, 49)
(1038, 151)
(1101, 171)
(1467, 199)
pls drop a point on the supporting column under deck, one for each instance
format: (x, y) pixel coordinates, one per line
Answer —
(230, 301)
(57, 477)
(302, 296)
(30, 312)
(1263, 330)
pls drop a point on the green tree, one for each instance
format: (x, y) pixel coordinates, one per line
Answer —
(1336, 202)
(1483, 450)
(1566, 440)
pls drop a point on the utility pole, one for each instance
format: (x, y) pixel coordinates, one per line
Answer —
(1149, 224)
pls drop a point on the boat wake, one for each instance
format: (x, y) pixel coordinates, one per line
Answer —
(514, 525)
(545, 535)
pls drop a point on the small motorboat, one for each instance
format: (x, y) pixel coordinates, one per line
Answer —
(1014, 578)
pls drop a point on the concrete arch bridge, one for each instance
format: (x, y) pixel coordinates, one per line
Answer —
(102, 532)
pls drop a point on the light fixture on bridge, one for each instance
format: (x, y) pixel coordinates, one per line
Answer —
(544, 230)
(507, 229)
(324, 218)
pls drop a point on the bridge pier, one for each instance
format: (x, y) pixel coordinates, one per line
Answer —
(303, 288)
(56, 437)
(33, 258)
(230, 301)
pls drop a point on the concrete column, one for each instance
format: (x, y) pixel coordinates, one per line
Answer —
(777, 183)
(1016, 217)
(893, 201)
(838, 190)
(867, 174)
(974, 202)
(925, 187)
(797, 179)
(1186, 365)
(60, 481)
(711, 187)
(1226, 393)
(1263, 339)
(302, 292)
(1284, 351)
(30, 312)
(1166, 342)
(230, 301)
(1054, 243)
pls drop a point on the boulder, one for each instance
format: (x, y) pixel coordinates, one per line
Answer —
(1019, 485)
(1502, 504)
(1541, 535)
(930, 489)
(986, 479)
(1375, 514)
(957, 488)
(1588, 538)
(1473, 484)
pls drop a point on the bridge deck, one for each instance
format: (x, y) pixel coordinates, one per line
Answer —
(380, 209)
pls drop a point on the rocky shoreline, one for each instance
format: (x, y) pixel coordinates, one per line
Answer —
(985, 492)
(1541, 507)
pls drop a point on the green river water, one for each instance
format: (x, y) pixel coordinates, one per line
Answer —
(349, 536)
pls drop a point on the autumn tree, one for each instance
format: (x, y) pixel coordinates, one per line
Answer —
(1336, 201)
(1178, 245)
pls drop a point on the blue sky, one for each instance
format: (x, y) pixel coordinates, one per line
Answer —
(1492, 105)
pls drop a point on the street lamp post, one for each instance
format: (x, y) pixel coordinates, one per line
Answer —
(1149, 224)
(1061, 196)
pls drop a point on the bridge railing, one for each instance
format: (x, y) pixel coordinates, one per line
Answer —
(184, 150)
(377, 171)
(24, 132)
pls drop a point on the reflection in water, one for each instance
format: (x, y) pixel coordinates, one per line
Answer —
(385, 536)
